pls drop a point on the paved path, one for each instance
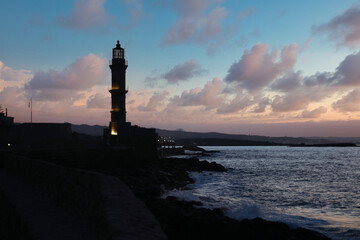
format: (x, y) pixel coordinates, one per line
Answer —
(44, 219)
(128, 217)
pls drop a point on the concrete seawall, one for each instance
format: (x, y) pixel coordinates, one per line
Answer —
(102, 202)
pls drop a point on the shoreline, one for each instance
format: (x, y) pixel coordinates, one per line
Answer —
(149, 178)
(221, 225)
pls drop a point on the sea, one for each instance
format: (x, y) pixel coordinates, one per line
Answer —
(317, 188)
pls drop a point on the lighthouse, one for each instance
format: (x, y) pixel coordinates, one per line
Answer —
(120, 134)
(118, 65)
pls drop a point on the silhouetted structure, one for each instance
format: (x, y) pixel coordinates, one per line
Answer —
(120, 132)
(118, 65)
(5, 120)
(6, 124)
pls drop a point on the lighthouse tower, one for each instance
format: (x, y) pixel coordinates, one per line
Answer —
(118, 65)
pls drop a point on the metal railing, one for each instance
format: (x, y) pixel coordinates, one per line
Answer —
(110, 62)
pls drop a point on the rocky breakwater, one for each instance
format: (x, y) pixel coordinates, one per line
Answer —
(187, 220)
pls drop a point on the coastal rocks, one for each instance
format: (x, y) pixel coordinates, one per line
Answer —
(149, 178)
(187, 220)
(186, 150)
(195, 165)
(181, 220)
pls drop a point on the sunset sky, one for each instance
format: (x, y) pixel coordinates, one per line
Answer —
(279, 68)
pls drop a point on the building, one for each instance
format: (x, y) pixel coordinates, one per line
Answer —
(6, 125)
(5, 120)
(120, 132)
(34, 135)
(119, 128)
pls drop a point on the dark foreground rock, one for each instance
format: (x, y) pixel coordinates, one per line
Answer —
(148, 179)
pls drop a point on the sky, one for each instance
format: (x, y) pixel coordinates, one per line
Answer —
(277, 68)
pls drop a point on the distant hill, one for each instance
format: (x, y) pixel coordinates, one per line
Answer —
(222, 142)
(262, 140)
(181, 137)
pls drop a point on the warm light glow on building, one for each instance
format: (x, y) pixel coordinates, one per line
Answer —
(114, 129)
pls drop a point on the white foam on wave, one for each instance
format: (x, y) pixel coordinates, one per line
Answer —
(186, 195)
(245, 210)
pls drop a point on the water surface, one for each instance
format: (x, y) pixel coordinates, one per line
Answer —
(317, 188)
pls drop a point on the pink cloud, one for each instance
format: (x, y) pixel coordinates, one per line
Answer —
(155, 101)
(13, 75)
(257, 67)
(306, 45)
(261, 106)
(349, 102)
(240, 102)
(348, 72)
(83, 74)
(183, 72)
(344, 28)
(195, 23)
(209, 96)
(99, 100)
(300, 99)
(287, 83)
(316, 113)
(86, 14)
(13, 98)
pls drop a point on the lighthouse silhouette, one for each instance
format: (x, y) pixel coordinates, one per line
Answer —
(119, 128)
(120, 134)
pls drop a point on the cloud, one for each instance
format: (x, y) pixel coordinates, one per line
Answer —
(316, 113)
(212, 24)
(349, 102)
(135, 10)
(14, 99)
(98, 100)
(300, 98)
(86, 14)
(183, 72)
(155, 101)
(10, 74)
(301, 91)
(290, 103)
(238, 103)
(319, 78)
(83, 74)
(348, 72)
(305, 46)
(289, 82)
(257, 68)
(194, 26)
(12, 96)
(261, 107)
(229, 31)
(209, 96)
(344, 28)
(180, 72)
(201, 22)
